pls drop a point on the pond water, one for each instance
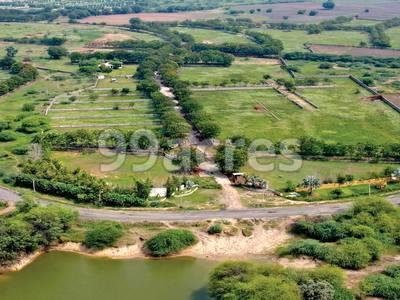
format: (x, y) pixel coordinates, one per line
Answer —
(66, 276)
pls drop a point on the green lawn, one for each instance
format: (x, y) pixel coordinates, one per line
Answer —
(213, 36)
(300, 169)
(119, 83)
(295, 40)
(394, 34)
(157, 171)
(242, 71)
(344, 115)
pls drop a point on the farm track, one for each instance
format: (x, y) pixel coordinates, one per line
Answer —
(106, 101)
(100, 117)
(97, 108)
(230, 196)
(108, 125)
(233, 88)
(292, 97)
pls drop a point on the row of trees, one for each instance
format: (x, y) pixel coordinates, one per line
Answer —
(193, 111)
(317, 148)
(48, 41)
(51, 177)
(173, 124)
(390, 62)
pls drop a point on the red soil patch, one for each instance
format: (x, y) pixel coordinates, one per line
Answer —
(259, 108)
(109, 37)
(354, 51)
(156, 17)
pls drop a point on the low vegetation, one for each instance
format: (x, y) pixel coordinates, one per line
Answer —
(170, 242)
(352, 239)
(244, 280)
(385, 285)
(103, 234)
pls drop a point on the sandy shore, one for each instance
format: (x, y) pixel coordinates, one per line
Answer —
(261, 243)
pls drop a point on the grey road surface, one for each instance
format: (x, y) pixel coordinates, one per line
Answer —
(143, 215)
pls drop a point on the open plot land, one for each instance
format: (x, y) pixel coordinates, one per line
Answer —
(241, 71)
(362, 22)
(394, 35)
(379, 9)
(294, 40)
(383, 77)
(344, 115)
(111, 82)
(124, 175)
(103, 109)
(154, 17)
(212, 36)
(353, 51)
(325, 170)
(79, 38)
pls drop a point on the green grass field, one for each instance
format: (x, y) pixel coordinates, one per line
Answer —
(213, 36)
(295, 40)
(394, 34)
(325, 170)
(242, 71)
(381, 76)
(343, 116)
(158, 170)
(39, 93)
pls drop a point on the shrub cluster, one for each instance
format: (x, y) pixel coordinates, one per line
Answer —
(360, 234)
(385, 285)
(170, 242)
(244, 280)
(103, 234)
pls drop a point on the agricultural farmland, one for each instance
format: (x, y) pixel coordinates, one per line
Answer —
(296, 39)
(343, 113)
(242, 71)
(213, 36)
(354, 51)
(104, 107)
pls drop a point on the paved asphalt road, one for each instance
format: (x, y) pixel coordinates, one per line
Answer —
(142, 215)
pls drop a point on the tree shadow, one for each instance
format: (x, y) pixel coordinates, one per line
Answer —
(200, 294)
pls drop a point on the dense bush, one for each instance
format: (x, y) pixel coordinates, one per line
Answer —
(360, 234)
(215, 229)
(170, 242)
(385, 285)
(244, 280)
(7, 136)
(103, 234)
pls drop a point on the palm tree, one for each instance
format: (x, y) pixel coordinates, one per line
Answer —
(312, 183)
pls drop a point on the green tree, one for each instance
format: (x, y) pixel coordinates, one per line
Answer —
(311, 183)
(56, 52)
(143, 188)
(11, 51)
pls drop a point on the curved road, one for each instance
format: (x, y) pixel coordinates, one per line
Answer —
(142, 215)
